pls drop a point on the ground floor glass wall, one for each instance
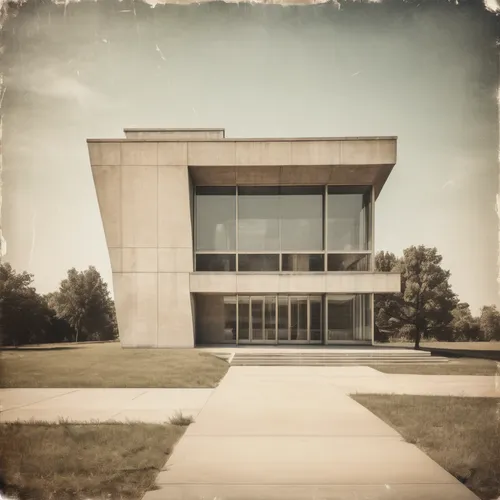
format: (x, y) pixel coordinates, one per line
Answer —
(282, 319)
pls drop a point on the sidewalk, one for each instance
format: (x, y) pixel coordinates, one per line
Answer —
(121, 405)
(158, 405)
(290, 433)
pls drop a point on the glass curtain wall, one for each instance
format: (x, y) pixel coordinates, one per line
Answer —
(348, 318)
(349, 241)
(258, 319)
(289, 229)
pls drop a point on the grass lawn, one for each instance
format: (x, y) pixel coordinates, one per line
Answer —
(77, 461)
(108, 365)
(460, 434)
(455, 366)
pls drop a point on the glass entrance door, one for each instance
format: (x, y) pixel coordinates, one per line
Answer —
(298, 320)
(262, 319)
(280, 319)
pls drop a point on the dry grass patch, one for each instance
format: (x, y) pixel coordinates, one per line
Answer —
(462, 366)
(460, 434)
(108, 365)
(75, 461)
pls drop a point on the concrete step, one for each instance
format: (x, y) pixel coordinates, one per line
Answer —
(326, 356)
(264, 361)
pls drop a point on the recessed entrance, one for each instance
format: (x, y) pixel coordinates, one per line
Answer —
(282, 319)
(279, 319)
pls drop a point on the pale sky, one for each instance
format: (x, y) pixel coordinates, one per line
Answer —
(426, 73)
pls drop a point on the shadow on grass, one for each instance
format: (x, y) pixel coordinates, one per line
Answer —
(463, 353)
(37, 349)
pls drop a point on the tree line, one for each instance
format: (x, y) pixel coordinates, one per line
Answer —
(427, 307)
(80, 310)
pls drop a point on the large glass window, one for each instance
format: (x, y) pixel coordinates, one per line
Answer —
(282, 229)
(301, 219)
(258, 219)
(348, 317)
(215, 218)
(348, 219)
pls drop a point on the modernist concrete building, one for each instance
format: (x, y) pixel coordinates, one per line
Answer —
(232, 241)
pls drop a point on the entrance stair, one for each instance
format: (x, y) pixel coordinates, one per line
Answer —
(333, 358)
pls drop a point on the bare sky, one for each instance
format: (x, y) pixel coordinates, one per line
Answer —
(426, 72)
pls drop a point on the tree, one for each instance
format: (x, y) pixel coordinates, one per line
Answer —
(25, 316)
(425, 304)
(385, 262)
(489, 323)
(464, 325)
(83, 300)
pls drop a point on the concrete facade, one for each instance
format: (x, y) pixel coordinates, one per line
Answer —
(144, 186)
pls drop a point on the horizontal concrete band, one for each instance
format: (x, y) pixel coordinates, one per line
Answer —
(293, 283)
(361, 151)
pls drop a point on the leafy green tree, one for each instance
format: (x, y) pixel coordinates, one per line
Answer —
(489, 323)
(464, 326)
(424, 306)
(83, 300)
(25, 316)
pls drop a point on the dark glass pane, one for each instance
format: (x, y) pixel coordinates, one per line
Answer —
(348, 262)
(298, 319)
(243, 318)
(258, 219)
(316, 318)
(282, 318)
(258, 262)
(301, 220)
(303, 262)
(215, 219)
(215, 319)
(270, 318)
(348, 218)
(340, 317)
(216, 262)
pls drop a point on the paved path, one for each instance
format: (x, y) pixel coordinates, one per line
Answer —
(291, 433)
(158, 405)
(121, 405)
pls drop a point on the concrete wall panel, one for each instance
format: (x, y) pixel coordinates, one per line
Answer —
(294, 283)
(175, 319)
(139, 153)
(316, 153)
(140, 206)
(172, 260)
(115, 258)
(174, 211)
(107, 181)
(139, 260)
(258, 176)
(212, 153)
(104, 153)
(263, 153)
(136, 300)
(213, 283)
(172, 153)
(365, 152)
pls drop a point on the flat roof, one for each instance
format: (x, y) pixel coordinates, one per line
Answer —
(226, 139)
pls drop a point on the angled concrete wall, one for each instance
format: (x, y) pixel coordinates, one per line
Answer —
(144, 199)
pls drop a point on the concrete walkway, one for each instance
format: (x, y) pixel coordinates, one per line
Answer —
(291, 433)
(121, 405)
(158, 405)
